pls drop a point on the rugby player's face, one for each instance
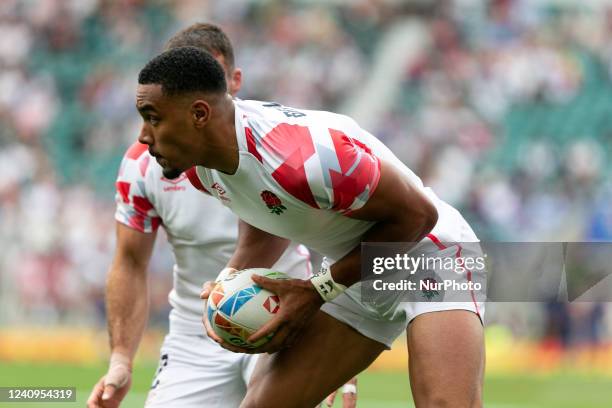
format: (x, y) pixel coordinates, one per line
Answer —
(167, 129)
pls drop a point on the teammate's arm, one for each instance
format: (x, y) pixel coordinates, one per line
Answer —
(127, 299)
(127, 303)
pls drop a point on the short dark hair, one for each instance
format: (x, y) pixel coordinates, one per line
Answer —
(207, 36)
(184, 69)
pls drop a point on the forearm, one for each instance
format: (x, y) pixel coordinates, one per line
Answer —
(256, 248)
(127, 304)
(347, 270)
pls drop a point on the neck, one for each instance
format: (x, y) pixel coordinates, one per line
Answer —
(222, 148)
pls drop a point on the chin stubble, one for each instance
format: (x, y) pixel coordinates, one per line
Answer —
(172, 173)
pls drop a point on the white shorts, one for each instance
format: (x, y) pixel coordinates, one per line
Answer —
(194, 371)
(352, 313)
(385, 317)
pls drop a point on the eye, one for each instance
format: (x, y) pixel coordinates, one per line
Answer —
(153, 120)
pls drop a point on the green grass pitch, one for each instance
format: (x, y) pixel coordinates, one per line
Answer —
(376, 389)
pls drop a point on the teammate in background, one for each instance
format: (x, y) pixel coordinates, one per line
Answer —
(193, 371)
(316, 178)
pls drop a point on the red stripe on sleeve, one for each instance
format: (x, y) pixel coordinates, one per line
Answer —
(123, 188)
(137, 222)
(360, 170)
(142, 205)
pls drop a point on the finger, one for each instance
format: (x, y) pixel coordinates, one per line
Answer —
(270, 284)
(277, 342)
(349, 400)
(207, 287)
(267, 329)
(237, 349)
(96, 393)
(329, 401)
(216, 338)
(209, 330)
(109, 391)
(349, 394)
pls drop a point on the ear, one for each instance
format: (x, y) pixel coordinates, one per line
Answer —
(200, 113)
(235, 82)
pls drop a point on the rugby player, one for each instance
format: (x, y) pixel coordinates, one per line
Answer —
(317, 178)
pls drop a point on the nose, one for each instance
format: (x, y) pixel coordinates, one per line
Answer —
(145, 136)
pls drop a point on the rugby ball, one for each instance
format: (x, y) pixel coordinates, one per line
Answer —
(237, 307)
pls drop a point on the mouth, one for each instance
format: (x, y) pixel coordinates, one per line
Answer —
(152, 153)
(161, 161)
(158, 158)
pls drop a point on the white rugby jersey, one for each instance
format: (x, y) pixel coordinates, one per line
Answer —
(202, 233)
(301, 171)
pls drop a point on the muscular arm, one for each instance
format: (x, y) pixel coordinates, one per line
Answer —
(256, 248)
(127, 298)
(403, 214)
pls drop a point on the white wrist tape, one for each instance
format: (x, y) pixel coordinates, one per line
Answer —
(119, 370)
(349, 389)
(225, 272)
(324, 283)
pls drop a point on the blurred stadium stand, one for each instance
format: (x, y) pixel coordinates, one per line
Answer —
(504, 109)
